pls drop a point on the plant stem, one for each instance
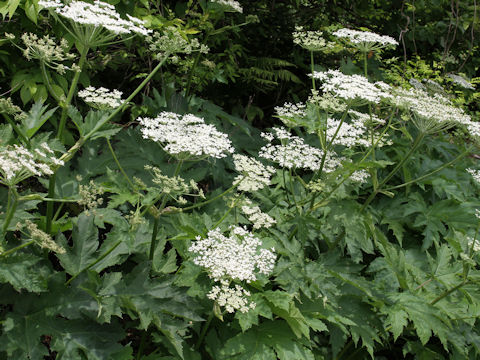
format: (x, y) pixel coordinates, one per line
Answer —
(94, 263)
(69, 154)
(118, 164)
(11, 251)
(153, 241)
(71, 92)
(11, 207)
(204, 330)
(430, 173)
(50, 205)
(414, 147)
(448, 292)
(46, 80)
(16, 129)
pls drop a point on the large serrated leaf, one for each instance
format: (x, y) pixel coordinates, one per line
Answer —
(85, 243)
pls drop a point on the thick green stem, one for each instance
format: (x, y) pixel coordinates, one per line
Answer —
(430, 173)
(11, 207)
(46, 80)
(204, 331)
(50, 205)
(72, 151)
(11, 251)
(414, 147)
(448, 292)
(71, 92)
(94, 263)
(118, 164)
(153, 242)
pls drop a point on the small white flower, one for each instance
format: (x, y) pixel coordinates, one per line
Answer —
(186, 136)
(365, 38)
(475, 174)
(253, 174)
(231, 298)
(459, 80)
(475, 244)
(311, 40)
(231, 5)
(258, 218)
(237, 257)
(101, 98)
(354, 89)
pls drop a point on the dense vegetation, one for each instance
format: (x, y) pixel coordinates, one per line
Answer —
(239, 180)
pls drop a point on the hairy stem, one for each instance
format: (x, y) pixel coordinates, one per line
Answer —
(11, 251)
(11, 207)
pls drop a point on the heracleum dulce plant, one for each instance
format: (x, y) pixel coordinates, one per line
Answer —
(169, 237)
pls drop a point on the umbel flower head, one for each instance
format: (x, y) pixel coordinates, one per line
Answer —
(365, 40)
(101, 98)
(311, 40)
(432, 113)
(89, 20)
(18, 163)
(229, 5)
(232, 298)
(172, 42)
(46, 50)
(293, 153)
(186, 137)
(356, 90)
(236, 257)
(253, 174)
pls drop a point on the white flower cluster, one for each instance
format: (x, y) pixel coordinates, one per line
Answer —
(231, 298)
(365, 37)
(236, 257)
(253, 174)
(310, 40)
(349, 134)
(289, 112)
(359, 176)
(292, 152)
(354, 89)
(230, 4)
(46, 49)
(459, 80)
(98, 14)
(186, 136)
(101, 98)
(366, 118)
(172, 42)
(475, 174)
(474, 244)
(432, 112)
(17, 163)
(477, 213)
(258, 218)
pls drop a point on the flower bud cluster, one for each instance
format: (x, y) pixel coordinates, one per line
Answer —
(474, 244)
(101, 98)
(175, 186)
(172, 42)
(98, 14)
(46, 50)
(231, 5)
(254, 175)
(41, 238)
(18, 163)
(186, 136)
(238, 257)
(8, 107)
(354, 89)
(90, 196)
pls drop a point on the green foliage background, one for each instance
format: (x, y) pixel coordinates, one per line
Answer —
(389, 281)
